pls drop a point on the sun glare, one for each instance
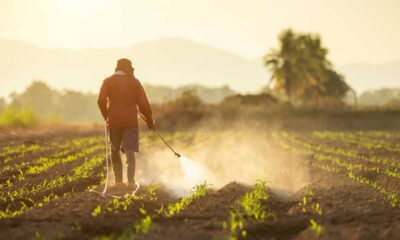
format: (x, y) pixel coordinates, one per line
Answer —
(79, 8)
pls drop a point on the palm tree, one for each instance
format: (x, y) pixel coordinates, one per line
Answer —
(299, 67)
(282, 64)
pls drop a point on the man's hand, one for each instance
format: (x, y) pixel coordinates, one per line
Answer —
(150, 125)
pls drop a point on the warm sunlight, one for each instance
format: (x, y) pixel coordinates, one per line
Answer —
(289, 111)
(78, 8)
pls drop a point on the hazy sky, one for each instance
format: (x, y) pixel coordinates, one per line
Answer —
(354, 30)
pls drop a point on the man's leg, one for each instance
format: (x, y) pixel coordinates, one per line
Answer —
(117, 165)
(131, 166)
(130, 143)
(115, 139)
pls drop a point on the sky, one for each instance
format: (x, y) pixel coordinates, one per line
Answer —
(355, 31)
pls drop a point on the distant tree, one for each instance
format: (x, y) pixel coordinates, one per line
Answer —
(300, 68)
(162, 94)
(77, 106)
(38, 96)
(333, 86)
(51, 104)
(282, 64)
(380, 97)
(2, 104)
(159, 94)
(394, 102)
(188, 100)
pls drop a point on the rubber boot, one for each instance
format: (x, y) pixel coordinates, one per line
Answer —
(117, 166)
(131, 167)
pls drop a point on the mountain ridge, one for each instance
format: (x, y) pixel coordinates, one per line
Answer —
(173, 62)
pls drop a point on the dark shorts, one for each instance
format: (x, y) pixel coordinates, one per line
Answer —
(124, 138)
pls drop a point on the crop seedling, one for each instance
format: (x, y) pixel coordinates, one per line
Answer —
(250, 207)
(315, 227)
(175, 208)
(96, 211)
(144, 225)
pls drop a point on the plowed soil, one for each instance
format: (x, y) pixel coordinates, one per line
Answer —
(350, 209)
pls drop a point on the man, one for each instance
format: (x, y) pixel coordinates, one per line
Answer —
(119, 99)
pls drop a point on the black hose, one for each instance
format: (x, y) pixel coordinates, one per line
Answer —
(155, 132)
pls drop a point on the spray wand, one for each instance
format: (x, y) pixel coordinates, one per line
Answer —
(155, 132)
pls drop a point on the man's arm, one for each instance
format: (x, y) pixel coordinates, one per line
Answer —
(102, 100)
(144, 105)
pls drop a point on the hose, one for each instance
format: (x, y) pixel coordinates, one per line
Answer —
(107, 157)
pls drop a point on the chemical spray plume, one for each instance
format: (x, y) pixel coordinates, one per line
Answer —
(193, 171)
(241, 153)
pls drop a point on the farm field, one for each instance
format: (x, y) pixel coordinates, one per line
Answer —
(279, 185)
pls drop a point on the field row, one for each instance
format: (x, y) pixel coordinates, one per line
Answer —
(356, 167)
(34, 177)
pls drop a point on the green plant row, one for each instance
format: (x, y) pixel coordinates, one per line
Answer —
(317, 148)
(356, 140)
(9, 152)
(378, 134)
(7, 213)
(117, 205)
(309, 204)
(197, 192)
(23, 150)
(146, 222)
(43, 164)
(391, 197)
(82, 171)
(250, 207)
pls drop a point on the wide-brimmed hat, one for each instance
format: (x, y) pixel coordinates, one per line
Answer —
(125, 65)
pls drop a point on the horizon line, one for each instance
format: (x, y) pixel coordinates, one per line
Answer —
(259, 57)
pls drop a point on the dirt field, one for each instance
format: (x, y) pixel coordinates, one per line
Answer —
(280, 185)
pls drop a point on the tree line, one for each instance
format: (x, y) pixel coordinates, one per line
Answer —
(302, 72)
(68, 105)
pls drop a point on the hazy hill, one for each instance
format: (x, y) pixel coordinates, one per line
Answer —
(380, 97)
(367, 76)
(171, 62)
(167, 62)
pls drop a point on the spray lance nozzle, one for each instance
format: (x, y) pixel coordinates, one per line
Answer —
(165, 142)
(176, 154)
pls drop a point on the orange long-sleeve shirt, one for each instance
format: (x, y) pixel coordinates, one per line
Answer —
(119, 99)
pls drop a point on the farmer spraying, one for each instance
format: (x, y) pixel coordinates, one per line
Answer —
(121, 96)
